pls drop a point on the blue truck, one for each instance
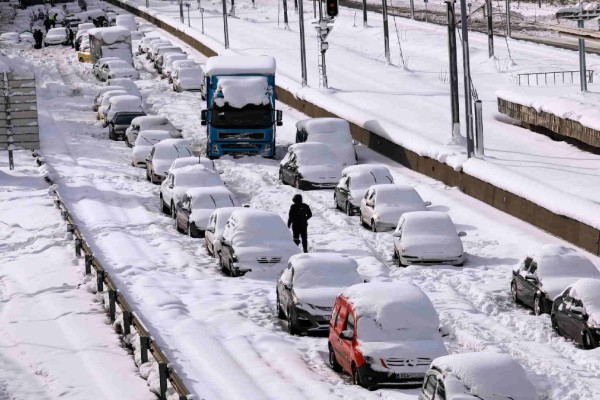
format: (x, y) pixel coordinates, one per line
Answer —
(240, 114)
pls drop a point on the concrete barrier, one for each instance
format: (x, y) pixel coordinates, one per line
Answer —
(575, 232)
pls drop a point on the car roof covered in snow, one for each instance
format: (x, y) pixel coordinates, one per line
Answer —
(324, 269)
(124, 82)
(199, 194)
(310, 261)
(314, 153)
(154, 134)
(394, 305)
(173, 143)
(429, 223)
(194, 170)
(111, 34)
(588, 291)
(127, 101)
(258, 228)
(150, 120)
(365, 175)
(558, 261)
(324, 125)
(488, 374)
(192, 160)
(240, 65)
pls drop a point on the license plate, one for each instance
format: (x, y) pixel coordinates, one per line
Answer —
(410, 376)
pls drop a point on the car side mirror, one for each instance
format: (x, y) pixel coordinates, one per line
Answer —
(369, 203)
(579, 311)
(287, 286)
(211, 229)
(462, 234)
(279, 114)
(203, 116)
(171, 185)
(346, 334)
(397, 234)
(427, 203)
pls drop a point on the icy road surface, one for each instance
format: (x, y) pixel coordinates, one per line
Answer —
(222, 333)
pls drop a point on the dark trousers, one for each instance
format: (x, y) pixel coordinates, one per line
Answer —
(301, 232)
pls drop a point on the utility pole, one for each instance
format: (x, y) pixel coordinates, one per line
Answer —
(365, 13)
(582, 66)
(490, 28)
(386, 32)
(412, 9)
(467, 77)
(453, 69)
(285, 15)
(302, 43)
(225, 27)
(181, 17)
(508, 33)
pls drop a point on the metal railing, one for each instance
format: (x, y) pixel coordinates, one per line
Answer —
(106, 285)
(551, 77)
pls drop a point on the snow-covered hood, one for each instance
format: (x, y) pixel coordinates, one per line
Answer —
(431, 246)
(140, 153)
(319, 296)
(391, 213)
(178, 192)
(555, 286)
(200, 217)
(344, 152)
(321, 173)
(404, 356)
(357, 195)
(161, 167)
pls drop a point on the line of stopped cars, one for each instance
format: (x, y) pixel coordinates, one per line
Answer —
(379, 333)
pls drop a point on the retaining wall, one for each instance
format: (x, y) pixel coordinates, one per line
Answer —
(573, 231)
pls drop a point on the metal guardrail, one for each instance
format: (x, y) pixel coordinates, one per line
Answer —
(528, 77)
(147, 345)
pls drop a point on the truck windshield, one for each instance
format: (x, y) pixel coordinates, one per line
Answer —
(249, 116)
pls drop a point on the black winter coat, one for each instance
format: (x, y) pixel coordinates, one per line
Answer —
(299, 215)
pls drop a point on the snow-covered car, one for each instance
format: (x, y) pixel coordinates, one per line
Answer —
(169, 59)
(120, 104)
(334, 132)
(180, 64)
(310, 166)
(252, 239)
(382, 205)
(116, 69)
(384, 333)
(85, 45)
(84, 56)
(162, 156)
(214, 230)
(9, 37)
(145, 43)
(426, 238)
(119, 121)
(57, 36)
(126, 21)
(82, 29)
(105, 101)
(190, 79)
(100, 93)
(308, 286)
(143, 145)
(136, 37)
(576, 313)
(355, 181)
(545, 273)
(100, 63)
(149, 122)
(26, 37)
(477, 376)
(161, 52)
(180, 180)
(195, 160)
(126, 83)
(154, 46)
(197, 205)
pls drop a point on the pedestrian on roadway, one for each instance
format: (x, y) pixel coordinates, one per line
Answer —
(298, 220)
(38, 36)
(71, 37)
(53, 20)
(47, 24)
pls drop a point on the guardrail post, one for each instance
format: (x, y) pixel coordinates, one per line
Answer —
(112, 300)
(163, 373)
(88, 263)
(100, 280)
(144, 347)
(57, 203)
(78, 244)
(64, 214)
(127, 322)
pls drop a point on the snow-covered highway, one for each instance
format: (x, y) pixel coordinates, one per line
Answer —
(222, 333)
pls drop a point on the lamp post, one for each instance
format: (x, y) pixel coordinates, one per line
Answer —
(188, 5)
(302, 43)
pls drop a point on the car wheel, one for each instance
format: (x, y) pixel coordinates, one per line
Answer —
(297, 182)
(349, 211)
(513, 292)
(586, 341)
(291, 326)
(192, 231)
(177, 227)
(222, 266)
(210, 253)
(111, 133)
(335, 202)
(356, 377)
(280, 313)
(400, 263)
(373, 226)
(395, 255)
(173, 211)
(231, 269)
(537, 305)
(147, 175)
(281, 178)
(163, 206)
(332, 360)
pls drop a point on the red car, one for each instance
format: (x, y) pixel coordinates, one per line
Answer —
(384, 333)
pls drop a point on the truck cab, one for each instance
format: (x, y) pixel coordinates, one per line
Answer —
(240, 114)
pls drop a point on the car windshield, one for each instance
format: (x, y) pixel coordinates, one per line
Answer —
(329, 277)
(173, 152)
(314, 156)
(213, 200)
(249, 116)
(125, 119)
(332, 138)
(150, 140)
(198, 179)
(371, 330)
(399, 196)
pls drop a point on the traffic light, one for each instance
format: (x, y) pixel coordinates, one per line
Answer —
(332, 8)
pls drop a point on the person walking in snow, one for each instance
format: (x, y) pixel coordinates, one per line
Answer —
(38, 36)
(71, 37)
(53, 20)
(47, 24)
(298, 220)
